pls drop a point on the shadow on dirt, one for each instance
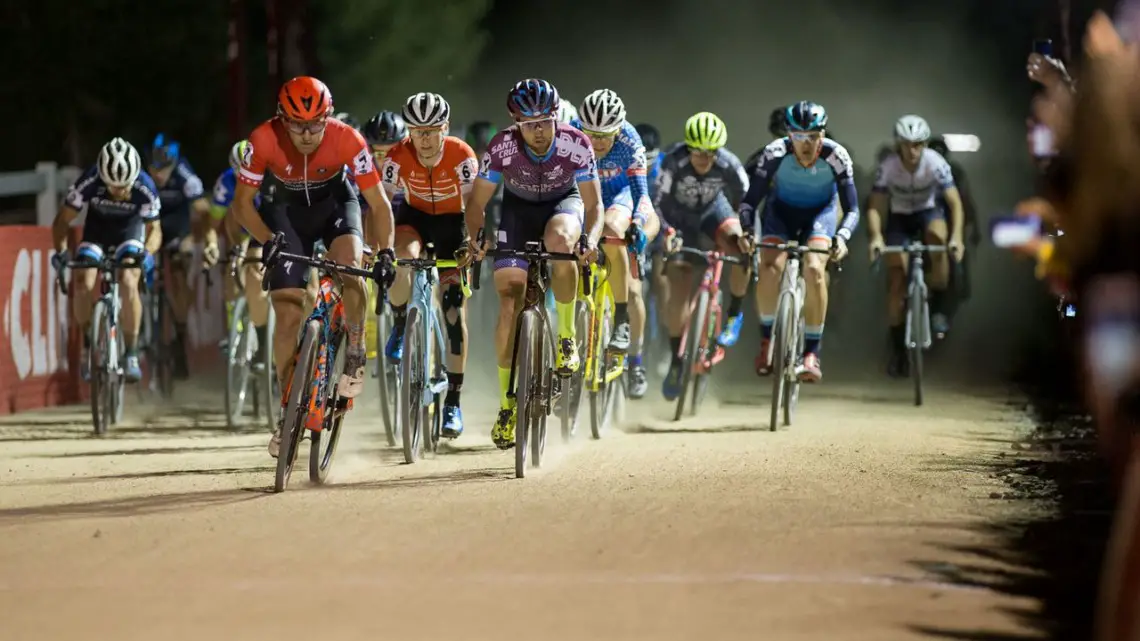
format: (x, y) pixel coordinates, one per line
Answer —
(127, 507)
(74, 423)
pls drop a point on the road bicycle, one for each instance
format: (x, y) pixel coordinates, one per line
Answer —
(246, 375)
(156, 335)
(311, 401)
(699, 350)
(422, 379)
(787, 349)
(105, 358)
(918, 337)
(533, 383)
(385, 371)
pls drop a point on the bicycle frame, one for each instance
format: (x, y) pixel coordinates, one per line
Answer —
(918, 332)
(710, 283)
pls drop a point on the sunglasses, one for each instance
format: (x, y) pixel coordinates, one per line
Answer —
(311, 126)
(535, 125)
(423, 132)
(697, 151)
(801, 136)
(600, 135)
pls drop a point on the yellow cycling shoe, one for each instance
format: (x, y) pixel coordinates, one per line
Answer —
(566, 360)
(503, 433)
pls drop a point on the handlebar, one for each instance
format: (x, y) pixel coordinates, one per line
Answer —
(105, 264)
(912, 248)
(533, 253)
(437, 263)
(710, 256)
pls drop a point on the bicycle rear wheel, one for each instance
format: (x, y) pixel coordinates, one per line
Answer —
(297, 408)
(539, 408)
(780, 359)
(320, 461)
(526, 385)
(696, 327)
(412, 412)
(164, 338)
(238, 362)
(916, 305)
(570, 404)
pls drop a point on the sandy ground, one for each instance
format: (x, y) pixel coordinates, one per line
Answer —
(836, 528)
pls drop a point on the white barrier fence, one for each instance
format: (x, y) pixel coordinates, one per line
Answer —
(46, 182)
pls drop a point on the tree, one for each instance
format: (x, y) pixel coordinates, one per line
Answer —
(376, 53)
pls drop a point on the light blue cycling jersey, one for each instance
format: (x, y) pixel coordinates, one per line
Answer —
(224, 188)
(790, 186)
(622, 172)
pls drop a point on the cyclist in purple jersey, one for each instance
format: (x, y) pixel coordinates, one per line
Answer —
(550, 193)
(628, 214)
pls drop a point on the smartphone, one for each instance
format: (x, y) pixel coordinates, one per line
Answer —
(1014, 231)
(1042, 141)
(1044, 47)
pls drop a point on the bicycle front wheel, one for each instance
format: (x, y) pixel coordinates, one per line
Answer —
(97, 360)
(572, 388)
(600, 388)
(411, 408)
(696, 327)
(267, 381)
(238, 362)
(386, 376)
(916, 306)
(320, 459)
(527, 372)
(297, 408)
(704, 354)
(780, 359)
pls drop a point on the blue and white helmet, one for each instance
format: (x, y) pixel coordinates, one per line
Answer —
(806, 116)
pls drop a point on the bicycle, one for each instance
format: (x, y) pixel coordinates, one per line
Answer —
(699, 351)
(918, 336)
(532, 381)
(311, 401)
(240, 353)
(156, 334)
(386, 372)
(107, 349)
(788, 332)
(423, 379)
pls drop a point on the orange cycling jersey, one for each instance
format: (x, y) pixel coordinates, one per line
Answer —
(308, 178)
(438, 190)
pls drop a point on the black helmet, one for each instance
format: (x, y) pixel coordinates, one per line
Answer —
(938, 143)
(479, 134)
(650, 137)
(385, 128)
(778, 122)
(347, 119)
(806, 116)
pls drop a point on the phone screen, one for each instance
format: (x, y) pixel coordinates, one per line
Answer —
(1043, 47)
(1042, 141)
(1014, 231)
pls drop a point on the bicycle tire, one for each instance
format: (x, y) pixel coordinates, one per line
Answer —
(297, 407)
(268, 382)
(574, 386)
(164, 363)
(695, 327)
(433, 411)
(387, 377)
(598, 397)
(237, 363)
(96, 367)
(916, 305)
(779, 360)
(792, 386)
(411, 390)
(540, 411)
(524, 388)
(321, 462)
(116, 386)
(701, 380)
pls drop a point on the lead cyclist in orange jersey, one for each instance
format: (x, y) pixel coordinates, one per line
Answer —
(310, 155)
(434, 172)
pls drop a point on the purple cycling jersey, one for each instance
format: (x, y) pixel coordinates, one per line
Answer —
(550, 177)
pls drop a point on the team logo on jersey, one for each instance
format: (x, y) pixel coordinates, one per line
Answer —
(247, 155)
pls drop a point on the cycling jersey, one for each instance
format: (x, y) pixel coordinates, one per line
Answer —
(224, 188)
(695, 205)
(622, 172)
(569, 161)
(308, 179)
(439, 190)
(180, 189)
(111, 222)
(796, 193)
(914, 192)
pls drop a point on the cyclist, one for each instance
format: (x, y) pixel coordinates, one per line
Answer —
(909, 181)
(479, 134)
(651, 138)
(185, 220)
(566, 111)
(435, 172)
(383, 131)
(804, 178)
(255, 297)
(550, 193)
(347, 119)
(699, 187)
(123, 208)
(310, 155)
(628, 210)
(778, 127)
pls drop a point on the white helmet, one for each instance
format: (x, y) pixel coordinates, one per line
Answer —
(602, 111)
(912, 129)
(237, 152)
(426, 110)
(119, 163)
(566, 111)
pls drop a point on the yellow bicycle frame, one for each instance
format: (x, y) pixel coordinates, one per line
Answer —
(593, 376)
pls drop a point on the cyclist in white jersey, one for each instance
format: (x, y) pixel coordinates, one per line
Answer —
(908, 185)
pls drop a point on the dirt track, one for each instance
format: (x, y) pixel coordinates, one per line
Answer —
(836, 529)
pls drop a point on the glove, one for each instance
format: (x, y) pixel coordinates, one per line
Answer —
(636, 238)
(838, 248)
(210, 254)
(383, 269)
(586, 250)
(272, 249)
(59, 261)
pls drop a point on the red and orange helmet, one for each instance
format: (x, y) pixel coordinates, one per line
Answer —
(304, 98)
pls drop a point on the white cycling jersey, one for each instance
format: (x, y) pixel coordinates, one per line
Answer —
(913, 192)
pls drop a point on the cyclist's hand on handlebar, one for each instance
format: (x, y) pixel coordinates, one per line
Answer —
(875, 247)
(272, 248)
(210, 254)
(673, 241)
(957, 249)
(838, 248)
(744, 243)
(384, 268)
(636, 238)
(586, 249)
(59, 260)
(476, 248)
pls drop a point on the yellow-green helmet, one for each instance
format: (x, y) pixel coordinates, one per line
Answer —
(705, 131)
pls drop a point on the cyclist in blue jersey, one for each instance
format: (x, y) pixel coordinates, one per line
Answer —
(122, 217)
(651, 138)
(628, 214)
(185, 220)
(804, 180)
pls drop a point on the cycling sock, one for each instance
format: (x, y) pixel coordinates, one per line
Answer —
(565, 319)
(675, 347)
(898, 335)
(454, 384)
(399, 315)
(635, 360)
(734, 305)
(262, 334)
(504, 386)
(813, 336)
(621, 313)
(937, 302)
(766, 323)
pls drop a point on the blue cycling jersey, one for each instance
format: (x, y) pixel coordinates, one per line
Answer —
(182, 188)
(224, 188)
(92, 192)
(624, 169)
(789, 185)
